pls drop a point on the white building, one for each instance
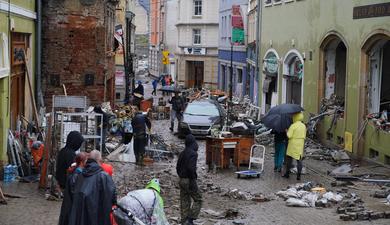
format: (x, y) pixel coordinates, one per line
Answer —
(197, 55)
(171, 36)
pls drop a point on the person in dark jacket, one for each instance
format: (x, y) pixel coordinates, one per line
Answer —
(73, 172)
(94, 195)
(186, 169)
(177, 109)
(139, 124)
(66, 156)
(154, 84)
(280, 140)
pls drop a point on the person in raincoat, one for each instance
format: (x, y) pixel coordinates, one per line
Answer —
(66, 156)
(147, 205)
(296, 134)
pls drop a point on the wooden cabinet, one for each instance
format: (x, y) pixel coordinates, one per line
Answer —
(219, 151)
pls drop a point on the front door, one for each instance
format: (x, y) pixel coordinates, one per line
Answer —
(19, 46)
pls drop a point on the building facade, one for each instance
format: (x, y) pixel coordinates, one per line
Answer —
(197, 29)
(141, 21)
(156, 37)
(17, 37)
(171, 37)
(251, 83)
(78, 49)
(331, 52)
(232, 54)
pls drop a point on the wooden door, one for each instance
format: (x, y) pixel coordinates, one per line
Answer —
(19, 44)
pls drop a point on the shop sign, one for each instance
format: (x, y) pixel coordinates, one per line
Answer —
(271, 65)
(369, 11)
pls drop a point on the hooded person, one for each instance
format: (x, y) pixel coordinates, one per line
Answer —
(296, 134)
(66, 156)
(146, 205)
(186, 169)
(73, 172)
(93, 196)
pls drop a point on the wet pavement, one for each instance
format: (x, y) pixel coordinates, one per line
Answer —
(34, 209)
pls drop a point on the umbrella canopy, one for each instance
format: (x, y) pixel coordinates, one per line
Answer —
(286, 109)
(279, 117)
(170, 89)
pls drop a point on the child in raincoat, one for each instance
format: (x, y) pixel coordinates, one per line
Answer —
(296, 142)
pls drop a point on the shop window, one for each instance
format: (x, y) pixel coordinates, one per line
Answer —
(223, 77)
(373, 154)
(239, 76)
(379, 84)
(117, 95)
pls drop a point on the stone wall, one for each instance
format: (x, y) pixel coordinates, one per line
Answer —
(77, 49)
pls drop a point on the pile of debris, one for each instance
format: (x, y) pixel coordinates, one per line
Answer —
(352, 208)
(309, 195)
(380, 120)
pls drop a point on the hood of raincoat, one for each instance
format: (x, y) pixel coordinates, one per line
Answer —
(191, 142)
(154, 184)
(298, 117)
(91, 168)
(74, 140)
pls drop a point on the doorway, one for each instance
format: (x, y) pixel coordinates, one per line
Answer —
(293, 73)
(19, 46)
(195, 74)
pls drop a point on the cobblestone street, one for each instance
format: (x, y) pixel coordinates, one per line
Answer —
(33, 209)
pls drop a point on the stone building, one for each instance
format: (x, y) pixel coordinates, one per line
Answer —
(197, 28)
(78, 44)
(232, 46)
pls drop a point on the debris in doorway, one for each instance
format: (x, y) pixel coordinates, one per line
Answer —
(380, 120)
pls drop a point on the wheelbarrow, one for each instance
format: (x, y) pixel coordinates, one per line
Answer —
(257, 156)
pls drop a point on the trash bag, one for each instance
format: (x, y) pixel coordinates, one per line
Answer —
(332, 197)
(310, 198)
(297, 202)
(144, 205)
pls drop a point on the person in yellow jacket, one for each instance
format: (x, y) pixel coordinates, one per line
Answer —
(296, 134)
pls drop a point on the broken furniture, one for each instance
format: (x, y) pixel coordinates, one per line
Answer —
(220, 150)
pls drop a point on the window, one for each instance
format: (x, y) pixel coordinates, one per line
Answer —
(117, 95)
(197, 36)
(4, 58)
(197, 7)
(239, 75)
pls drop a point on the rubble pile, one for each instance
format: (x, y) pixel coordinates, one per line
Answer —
(380, 120)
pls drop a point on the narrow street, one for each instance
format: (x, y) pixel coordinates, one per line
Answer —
(218, 207)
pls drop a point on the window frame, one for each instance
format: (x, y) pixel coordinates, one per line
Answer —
(194, 36)
(198, 7)
(4, 56)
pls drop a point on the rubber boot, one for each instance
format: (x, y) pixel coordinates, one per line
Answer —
(172, 126)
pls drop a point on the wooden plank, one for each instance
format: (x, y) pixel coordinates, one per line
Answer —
(31, 92)
(46, 155)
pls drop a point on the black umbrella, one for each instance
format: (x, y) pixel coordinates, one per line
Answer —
(279, 117)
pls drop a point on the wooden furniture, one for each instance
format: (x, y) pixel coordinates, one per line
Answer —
(219, 151)
(242, 154)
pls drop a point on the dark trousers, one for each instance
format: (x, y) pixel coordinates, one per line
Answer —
(289, 160)
(189, 190)
(139, 148)
(154, 92)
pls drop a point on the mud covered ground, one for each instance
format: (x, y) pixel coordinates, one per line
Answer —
(218, 207)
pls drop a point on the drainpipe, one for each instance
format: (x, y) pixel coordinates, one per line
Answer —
(38, 56)
(258, 42)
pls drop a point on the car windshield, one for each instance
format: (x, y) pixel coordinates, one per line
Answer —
(202, 110)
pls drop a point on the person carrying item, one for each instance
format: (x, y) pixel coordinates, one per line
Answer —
(280, 140)
(66, 156)
(94, 195)
(177, 109)
(296, 134)
(186, 169)
(138, 94)
(73, 172)
(146, 205)
(139, 124)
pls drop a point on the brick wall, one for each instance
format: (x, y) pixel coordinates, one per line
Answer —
(77, 45)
